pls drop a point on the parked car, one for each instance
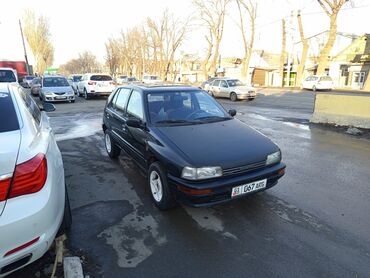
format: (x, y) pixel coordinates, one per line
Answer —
(192, 150)
(27, 80)
(231, 88)
(73, 81)
(205, 84)
(34, 203)
(315, 82)
(56, 88)
(121, 79)
(95, 85)
(8, 75)
(35, 86)
(151, 79)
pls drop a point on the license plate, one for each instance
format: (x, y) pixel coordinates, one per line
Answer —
(60, 97)
(247, 188)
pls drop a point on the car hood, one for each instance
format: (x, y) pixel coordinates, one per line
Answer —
(228, 144)
(9, 147)
(57, 89)
(244, 89)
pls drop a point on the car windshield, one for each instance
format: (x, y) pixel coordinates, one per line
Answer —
(7, 76)
(153, 77)
(191, 107)
(100, 78)
(30, 77)
(55, 82)
(235, 82)
(7, 112)
(131, 79)
(77, 78)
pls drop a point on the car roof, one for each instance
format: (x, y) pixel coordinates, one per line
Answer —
(148, 88)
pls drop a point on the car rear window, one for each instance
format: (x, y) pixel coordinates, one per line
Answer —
(8, 113)
(325, 78)
(76, 78)
(100, 78)
(7, 76)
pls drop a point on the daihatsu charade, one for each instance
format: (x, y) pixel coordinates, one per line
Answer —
(192, 150)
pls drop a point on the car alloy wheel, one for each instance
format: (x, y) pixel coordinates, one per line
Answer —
(233, 97)
(108, 143)
(86, 95)
(156, 186)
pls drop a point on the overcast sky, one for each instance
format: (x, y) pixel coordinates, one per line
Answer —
(83, 25)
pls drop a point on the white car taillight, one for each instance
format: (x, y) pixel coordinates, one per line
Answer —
(29, 177)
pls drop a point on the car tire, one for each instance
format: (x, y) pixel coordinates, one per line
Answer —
(67, 216)
(86, 94)
(73, 101)
(314, 88)
(233, 97)
(110, 146)
(160, 191)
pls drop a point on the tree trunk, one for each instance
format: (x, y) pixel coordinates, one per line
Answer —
(323, 61)
(283, 53)
(304, 52)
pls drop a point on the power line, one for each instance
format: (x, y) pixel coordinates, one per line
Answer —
(308, 13)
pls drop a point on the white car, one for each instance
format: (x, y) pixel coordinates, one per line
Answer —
(315, 82)
(121, 79)
(27, 80)
(231, 88)
(34, 204)
(8, 75)
(95, 84)
(151, 79)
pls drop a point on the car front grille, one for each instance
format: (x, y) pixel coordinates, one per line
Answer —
(244, 169)
(59, 94)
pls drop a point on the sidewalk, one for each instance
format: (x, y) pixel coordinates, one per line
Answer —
(297, 89)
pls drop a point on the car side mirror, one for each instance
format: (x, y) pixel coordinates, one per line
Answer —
(134, 122)
(232, 112)
(47, 107)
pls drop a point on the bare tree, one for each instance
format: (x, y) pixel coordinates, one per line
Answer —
(212, 14)
(38, 36)
(86, 62)
(251, 9)
(305, 46)
(331, 8)
(112, 57)
(283, 52)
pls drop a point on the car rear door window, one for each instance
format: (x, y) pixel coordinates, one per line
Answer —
(7, 111)
(216, 83)
(31, 105)
(135, 106)
(119, 103)
(7, 76)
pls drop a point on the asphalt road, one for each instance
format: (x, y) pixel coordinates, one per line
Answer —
(314, 223)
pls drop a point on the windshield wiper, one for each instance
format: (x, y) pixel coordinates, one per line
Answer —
(213, 118)
(175, 122)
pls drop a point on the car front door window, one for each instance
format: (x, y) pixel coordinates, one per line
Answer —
(135, 106)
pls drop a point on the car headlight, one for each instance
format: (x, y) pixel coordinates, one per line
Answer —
(273, 158)
(191, 173)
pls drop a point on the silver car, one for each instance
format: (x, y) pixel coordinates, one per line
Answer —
(73, 81)
(231, 88)
(56, 88)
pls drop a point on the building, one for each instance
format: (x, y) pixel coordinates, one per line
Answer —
(351, 66)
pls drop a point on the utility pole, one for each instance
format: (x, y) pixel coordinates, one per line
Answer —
(290, 51)
(24, 48)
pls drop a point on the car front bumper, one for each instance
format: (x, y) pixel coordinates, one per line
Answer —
(222, 187)
(57, 98)
(246, 95)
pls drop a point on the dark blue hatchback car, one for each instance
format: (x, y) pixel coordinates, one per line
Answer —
(192, 150)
